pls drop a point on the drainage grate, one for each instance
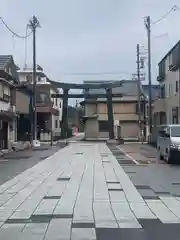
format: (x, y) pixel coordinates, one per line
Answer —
(116, 182)
(126, 162)
(115, 190)
(18, 221)
(16, 157)
(162, 193)
(83, 225)
(63, 179)
(52, 197)
(49, 217)
(151, 197)
(81, 153)
(43, 158)
(142, 187)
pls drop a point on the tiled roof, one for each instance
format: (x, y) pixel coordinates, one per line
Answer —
(4, 60)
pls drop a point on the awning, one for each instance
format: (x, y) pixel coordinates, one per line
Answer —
(7, 115)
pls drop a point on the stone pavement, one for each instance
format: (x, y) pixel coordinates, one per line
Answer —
(83, 192)
(14, 163)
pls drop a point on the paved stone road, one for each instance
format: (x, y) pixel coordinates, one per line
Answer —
(15, 163)
(84, 192)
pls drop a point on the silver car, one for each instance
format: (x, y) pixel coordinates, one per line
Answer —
(168, 144)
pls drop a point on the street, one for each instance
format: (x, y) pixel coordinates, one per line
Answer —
(92, 190)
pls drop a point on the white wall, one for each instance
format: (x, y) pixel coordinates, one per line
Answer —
(57, 104)
(23, 77)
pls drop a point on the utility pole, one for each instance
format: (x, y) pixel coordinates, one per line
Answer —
(33, 24)
(148, 27)
(139, 90)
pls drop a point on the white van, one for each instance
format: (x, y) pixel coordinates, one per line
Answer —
(168, 143)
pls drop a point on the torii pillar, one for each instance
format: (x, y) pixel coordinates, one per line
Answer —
(110, 113)
(64, 126)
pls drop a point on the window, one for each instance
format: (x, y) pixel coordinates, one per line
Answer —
(59, 123)
(60, 104)
(162, 69)
(162, 118)
(29, 78)
(162, 91)
(161, 133)
(103, 126)
(1, 90)
(177, 87)
(175, 131)
(56, 123)
(170, 89)
(175, 115)
(6, 93)
(56, 101)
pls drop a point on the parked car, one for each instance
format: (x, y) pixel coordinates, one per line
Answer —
(168, 143)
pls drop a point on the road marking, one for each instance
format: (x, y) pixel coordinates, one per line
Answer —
(129, 156)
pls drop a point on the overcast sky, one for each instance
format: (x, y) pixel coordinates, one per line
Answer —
(88, 36)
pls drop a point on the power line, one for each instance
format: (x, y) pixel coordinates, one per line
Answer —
(174, 8)
(95, 73)
(14, 34)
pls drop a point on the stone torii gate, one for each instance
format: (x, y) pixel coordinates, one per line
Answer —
(87, 86)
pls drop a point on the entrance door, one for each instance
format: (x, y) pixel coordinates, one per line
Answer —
(3, 134)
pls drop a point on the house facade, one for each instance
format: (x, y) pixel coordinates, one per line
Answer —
(8, 80)
(166, 108)
(125, 112)
(49, 110)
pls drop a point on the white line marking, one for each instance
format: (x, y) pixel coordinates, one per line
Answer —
(134, 160)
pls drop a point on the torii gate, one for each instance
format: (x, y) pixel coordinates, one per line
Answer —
(87, 86)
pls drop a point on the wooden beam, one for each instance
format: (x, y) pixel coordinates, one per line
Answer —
(84, 95)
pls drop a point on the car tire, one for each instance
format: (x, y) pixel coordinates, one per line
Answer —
(160, 156)
(169, 159)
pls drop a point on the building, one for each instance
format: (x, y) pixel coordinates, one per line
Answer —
(8, 80)
(49, 110)
(23, 103)
(125, 111)
(166, 108)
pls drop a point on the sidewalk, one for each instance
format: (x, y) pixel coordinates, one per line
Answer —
(82, 192)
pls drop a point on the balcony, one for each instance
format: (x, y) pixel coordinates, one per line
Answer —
(173, 67)
(161, 78)
(42, 107)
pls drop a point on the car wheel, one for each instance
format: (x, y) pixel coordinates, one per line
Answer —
(169, 159)
(160, 155)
